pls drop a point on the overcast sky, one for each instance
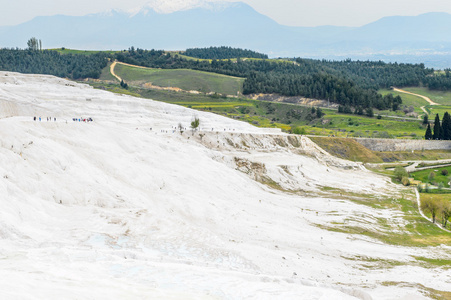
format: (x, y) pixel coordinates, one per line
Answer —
(286, 12)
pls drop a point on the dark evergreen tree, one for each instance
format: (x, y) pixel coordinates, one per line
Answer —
(436, 135)
(347, 110)
(446, 126)
(425, 119)
(319, 113)
(397, 101)
(358, 111)
(428, 134)
(223, 53)
(124, 85)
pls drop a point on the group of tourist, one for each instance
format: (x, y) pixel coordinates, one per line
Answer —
(82, 119)
(48, 119)
(54, 119)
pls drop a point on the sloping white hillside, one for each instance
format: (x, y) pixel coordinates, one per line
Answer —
(123, 208)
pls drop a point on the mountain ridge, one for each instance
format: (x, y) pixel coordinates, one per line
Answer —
(237, 25)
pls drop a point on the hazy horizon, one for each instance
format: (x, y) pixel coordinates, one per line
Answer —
(285, 12)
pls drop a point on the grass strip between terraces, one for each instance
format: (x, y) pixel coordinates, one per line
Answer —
(411, 230)
(347, 149)
(429, 292)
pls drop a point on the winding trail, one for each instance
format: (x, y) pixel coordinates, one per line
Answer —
(418, 95)
(112, 71)
(113, 65)
(424, 110)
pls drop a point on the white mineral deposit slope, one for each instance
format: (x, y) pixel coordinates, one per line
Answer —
(123, 208)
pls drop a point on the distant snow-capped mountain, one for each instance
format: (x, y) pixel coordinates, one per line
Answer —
(167, 7)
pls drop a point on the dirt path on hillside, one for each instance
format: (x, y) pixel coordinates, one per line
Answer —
(418, 95)
(148, 85)
(134, 66)
(422, 108)
(113, 65)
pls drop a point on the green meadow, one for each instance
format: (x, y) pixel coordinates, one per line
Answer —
(424, 175)
(440, 97)
(407, 100)
(184, 79)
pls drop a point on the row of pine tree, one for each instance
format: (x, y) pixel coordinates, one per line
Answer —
(442, 131)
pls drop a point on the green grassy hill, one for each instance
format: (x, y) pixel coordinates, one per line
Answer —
(106, 74)
(181, 78)
(408, 100)
(441, 97)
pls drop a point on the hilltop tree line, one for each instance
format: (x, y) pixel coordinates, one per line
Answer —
(439, 82)
(223, 53)
(50, 62)
(378, 74)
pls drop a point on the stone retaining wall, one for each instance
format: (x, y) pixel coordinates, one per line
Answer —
(403, 145)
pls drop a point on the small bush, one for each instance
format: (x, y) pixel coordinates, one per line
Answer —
(405, 181)
(399, 173)
(444, 172)
(298, 130)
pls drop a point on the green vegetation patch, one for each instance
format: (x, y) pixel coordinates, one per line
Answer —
(437, 109)
(432, 262)
(428, 292)
(184, 79)
(346, 149)
(440, 175)
(389, 156)
(375, 263)
(106, 74)
(440, 97)
(361, 126)
(407, 100)
(416, 232)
